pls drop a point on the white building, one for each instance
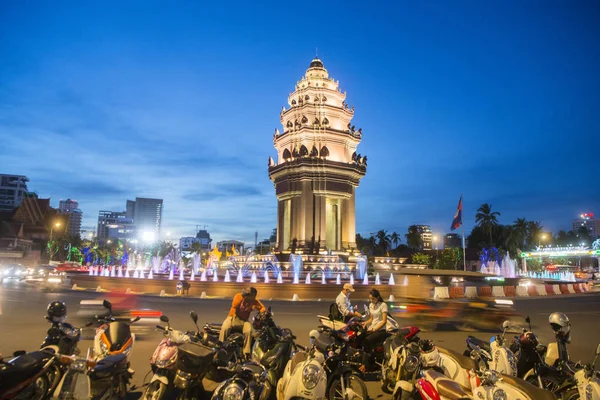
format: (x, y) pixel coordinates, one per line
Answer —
(12, 190)
(588, 222)
(71, 208)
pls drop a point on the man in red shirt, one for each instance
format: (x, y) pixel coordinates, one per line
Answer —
(241, 307)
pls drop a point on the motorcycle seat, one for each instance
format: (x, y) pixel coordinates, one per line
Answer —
(464, 362)
(108, 365)
(472, 341)
(23, 367)
(530, 390)
(446, 387)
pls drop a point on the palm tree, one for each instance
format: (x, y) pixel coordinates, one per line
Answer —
(414, 240)
(165, 247)
(395, 238)
(383, 240)
(487, 219)
(195, 248)
(534, 229)
(520, 229)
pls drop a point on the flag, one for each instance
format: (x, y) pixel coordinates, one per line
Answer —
(457, 221)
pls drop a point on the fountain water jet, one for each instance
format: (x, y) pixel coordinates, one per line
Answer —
(366, 279)
(266, 276)
(120, 272)
(351, 279)
(181, 277)
(279, 278)
(171, 273)
(338, 280)
(91, 271)
(215, 276)
(296, 278)
(377, 281)
(126, 273)
(150, 274)
(136, 274)
(391, 281)
(227, 277)
(240, 276)
(203, 276)
(323, 281)
(307, 280)
(192, 276)
(112, 272)
(142, 273)
(253, 277)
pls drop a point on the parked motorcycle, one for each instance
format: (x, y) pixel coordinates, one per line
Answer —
(304, 376)
(105, 371)
(249, 381)
(25, 377)
(528, 350)
(495, 355)
(273, 347)
(588, 382)
(164, 360)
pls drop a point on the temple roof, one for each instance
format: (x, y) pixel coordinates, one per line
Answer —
(316, 63)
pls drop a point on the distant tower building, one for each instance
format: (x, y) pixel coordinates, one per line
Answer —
(71, 208)
(426, 236)
(588, 222)
(452, 240)
(147, 215)
(12, 190)
(317, 169)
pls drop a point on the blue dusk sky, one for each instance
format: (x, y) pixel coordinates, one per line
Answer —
(104, 101)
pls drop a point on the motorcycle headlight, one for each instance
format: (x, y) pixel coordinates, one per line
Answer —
(233, 391)
(499, 395)
(411, 363)
(310, 376)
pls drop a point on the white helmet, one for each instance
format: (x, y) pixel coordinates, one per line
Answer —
(559, 322)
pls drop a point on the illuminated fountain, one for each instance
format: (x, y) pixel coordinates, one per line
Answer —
(296, 280)
(391, 281)
(120, 272)
(91, 271)
(366, 279)
(192, 276)
(196, 261)
(156, 261)
(266, 276)
(215, 276)
(323, 281)
(181, 277)
(142, 273)
(377, 281)
(203, 276)
(296, 261)
(150, 274)
(338, 280)
(240, 276)
(227, 277)
(171, 273)
(279, 278)
(126, 273)
(361, 267)
(307, 280)
(352, 279)
(253, 277)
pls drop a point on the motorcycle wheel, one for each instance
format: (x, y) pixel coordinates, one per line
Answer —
(155, 391)
(352, 382)
(191, 394)
(38, 390)
(571, 394)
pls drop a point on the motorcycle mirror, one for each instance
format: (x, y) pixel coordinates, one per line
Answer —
(136, 319)
(107, 305)
(598, 350)
(194, 318)
(528, 320)
(164, 318)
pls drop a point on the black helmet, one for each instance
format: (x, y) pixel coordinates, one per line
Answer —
(57, 311)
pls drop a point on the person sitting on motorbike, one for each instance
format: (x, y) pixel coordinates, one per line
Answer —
(241, 307)
(375, 325)
(343, 303)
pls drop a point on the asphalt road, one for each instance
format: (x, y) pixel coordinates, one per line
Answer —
(22, 324)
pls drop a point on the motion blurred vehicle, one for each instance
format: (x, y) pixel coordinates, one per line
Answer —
(124, 308)
(486, 314)
(12, 272)
(70, 267)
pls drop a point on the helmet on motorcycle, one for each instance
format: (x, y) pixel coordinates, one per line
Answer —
(430, 356)
(559, 322)
(528, 340)
(57, 311)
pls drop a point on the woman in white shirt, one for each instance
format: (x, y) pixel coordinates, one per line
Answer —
(375, 325)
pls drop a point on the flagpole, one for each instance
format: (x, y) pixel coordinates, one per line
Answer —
(463, 237)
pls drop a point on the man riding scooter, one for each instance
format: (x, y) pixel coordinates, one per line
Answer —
(241, 307)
